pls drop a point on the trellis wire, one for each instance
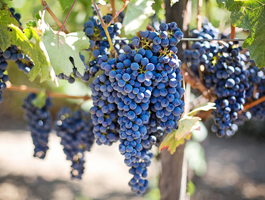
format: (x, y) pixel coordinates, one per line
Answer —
(193, 39)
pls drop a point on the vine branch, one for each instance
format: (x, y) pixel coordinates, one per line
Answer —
(233, 32)
(24, 88)
(46, 7)
(199, 18)
(63, 25)
(253, 103)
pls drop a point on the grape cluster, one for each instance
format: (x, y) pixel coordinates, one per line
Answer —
(40, 124)
(104, 111)
(75, 131)
(256, 90)
(231, 83)
(23, 62)
(201, 53)
(222, 67)
(139, 94)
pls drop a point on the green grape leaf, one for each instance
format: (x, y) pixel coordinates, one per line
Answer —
(31, 24)
(170, 143)
(38, 16)
(10, 33)
(250, 15)
(28, 33)
(203, 107)
(40, 100)
(60, 48)
(186, 125)
(5, 31)
(172, 2)
(65, 3)
(137, 16)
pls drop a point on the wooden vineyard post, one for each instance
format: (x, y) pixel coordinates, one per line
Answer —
(173, 176)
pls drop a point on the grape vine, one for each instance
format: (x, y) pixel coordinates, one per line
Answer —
(137, 87)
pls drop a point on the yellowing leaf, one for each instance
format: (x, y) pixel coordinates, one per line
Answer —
(186, 125)
(170, 143)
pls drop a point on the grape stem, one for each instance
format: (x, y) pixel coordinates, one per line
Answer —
(63, 25)
(126, 3)
(46, 7)
(233, 32)
(24, 88)
(104, 26)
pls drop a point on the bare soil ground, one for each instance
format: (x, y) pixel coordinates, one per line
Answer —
(236, 170)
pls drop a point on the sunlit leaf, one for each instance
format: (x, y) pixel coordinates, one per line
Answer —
(186, 125)
(61, 48)
(250, 15)
(170, 143)
(203, 107)
(137, 16)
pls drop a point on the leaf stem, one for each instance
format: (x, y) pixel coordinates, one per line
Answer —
(67, 17)
(46, 7)
(104, 26)
(24, 88)
(126, 3)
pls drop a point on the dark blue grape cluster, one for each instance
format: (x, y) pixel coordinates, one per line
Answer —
(40, 124)
(3, 77)
(256, 90)
(230, 87)
(23, 62)
(222, 67)
(202, 53)
(75, 131)
(139, 95)
(104, 111)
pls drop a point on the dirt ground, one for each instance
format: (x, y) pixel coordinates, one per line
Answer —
(236, 170)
